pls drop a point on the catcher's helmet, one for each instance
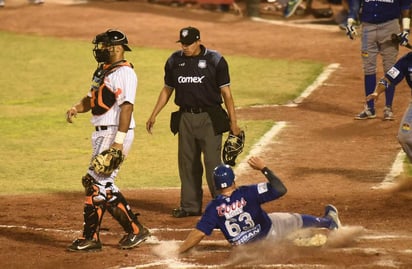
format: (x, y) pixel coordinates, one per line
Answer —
(223, 176)
(111, 38)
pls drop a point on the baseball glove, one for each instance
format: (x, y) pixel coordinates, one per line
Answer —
(107, 161)
(232, 147)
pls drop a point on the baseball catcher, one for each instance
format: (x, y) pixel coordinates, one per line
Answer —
(107, 161)
(232, 147)
(110, 100)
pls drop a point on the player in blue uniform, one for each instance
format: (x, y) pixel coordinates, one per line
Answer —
(401, 70)
(379, 19)
(237, 211)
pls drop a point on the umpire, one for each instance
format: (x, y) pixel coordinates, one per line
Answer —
(200, 78)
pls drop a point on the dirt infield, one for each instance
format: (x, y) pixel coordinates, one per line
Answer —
(323, 155)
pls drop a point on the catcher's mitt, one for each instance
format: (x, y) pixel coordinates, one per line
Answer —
(232, 147)
(107, 161)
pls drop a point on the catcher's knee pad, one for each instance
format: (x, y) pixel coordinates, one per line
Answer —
(88, 183)
(121, 211)
(92, 190)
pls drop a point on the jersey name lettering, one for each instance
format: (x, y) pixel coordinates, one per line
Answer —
(246, 236)
(232, 209)
(184, 80)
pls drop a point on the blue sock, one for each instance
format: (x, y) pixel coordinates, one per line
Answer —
(370, 84)
(312, 221)
(389, 93)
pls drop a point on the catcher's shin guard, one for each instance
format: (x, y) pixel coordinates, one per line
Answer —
(120, 210)
(93, 209)
(93, 216)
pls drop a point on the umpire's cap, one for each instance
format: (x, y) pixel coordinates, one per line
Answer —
(223, 176)
(189, 35)
(112, 37)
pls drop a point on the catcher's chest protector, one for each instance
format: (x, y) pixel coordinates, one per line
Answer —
(102, 97)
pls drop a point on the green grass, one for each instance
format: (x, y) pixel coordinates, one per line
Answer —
(42, 77)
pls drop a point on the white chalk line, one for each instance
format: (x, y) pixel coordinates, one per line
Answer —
(396, 170)
(176, 263)
(306, 24)
(173, 263)
(259, 147)
(370, 234)
(266, 139)
(319, 81)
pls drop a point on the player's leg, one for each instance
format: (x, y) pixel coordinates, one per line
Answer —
(329, 220)
(93, 212)
(389, 51)
(369, 52)
(284, 224)
(190, 168)
(120, 209)
(405, 132)
(211, 146)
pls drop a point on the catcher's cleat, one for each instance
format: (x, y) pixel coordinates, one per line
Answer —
(332, 213)
(181, 213)
(85, 245)
(132, 240)
(387, 113)
(368, 113)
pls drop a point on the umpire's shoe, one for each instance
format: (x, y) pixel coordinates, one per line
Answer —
(181, 213)
(85, 245)
(132, 240)
(332, 213)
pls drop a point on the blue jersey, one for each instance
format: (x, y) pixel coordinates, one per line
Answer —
(240, 216)
(377, 11)
(402, 69)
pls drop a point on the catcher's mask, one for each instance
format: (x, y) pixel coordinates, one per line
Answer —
(107, 39)
(223, 176)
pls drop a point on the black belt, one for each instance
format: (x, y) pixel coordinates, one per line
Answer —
(104, 128)
(100, 128)
(193, 110)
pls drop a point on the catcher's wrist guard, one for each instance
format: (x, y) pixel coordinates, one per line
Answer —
(232, 147)
(107, 161)
(120, 136)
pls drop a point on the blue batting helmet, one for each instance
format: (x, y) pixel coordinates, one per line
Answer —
(223, 176)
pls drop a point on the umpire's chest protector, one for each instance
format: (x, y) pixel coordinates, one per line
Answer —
(195, 79)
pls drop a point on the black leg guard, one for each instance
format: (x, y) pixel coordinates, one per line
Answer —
(121, 211)
(93, 211)
(93, 216)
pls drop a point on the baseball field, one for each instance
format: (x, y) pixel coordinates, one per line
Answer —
(313, 144)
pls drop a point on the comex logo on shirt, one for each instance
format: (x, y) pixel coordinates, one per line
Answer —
(184, 80)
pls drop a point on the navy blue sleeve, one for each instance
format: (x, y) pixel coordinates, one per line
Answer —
(397, 73)
(222, 73)
(209, 220)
